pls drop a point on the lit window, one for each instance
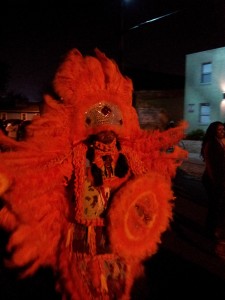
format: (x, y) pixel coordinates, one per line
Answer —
(204, 113)
(206, 75)
(3, 116)
(23, 116)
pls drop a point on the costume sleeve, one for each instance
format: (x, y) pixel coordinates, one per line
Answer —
(33, 184)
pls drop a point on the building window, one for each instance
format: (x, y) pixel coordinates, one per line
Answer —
(23, 116)
(191, 107)
(204, 115)
(3, 116)
(206, 72)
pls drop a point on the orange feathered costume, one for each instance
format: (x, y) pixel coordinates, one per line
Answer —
(95, 237)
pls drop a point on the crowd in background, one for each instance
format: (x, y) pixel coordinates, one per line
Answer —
(14, 128)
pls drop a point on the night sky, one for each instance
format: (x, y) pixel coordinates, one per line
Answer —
(36, 34)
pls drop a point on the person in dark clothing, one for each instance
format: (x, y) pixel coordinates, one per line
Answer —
(213, 179)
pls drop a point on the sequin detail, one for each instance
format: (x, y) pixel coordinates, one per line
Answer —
(103, 113)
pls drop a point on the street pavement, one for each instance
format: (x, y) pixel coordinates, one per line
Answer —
(185, 266)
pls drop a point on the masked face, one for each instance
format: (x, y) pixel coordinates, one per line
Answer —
(106, 137)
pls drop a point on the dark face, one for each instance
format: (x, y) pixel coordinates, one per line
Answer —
(106, 137)
(220, 132)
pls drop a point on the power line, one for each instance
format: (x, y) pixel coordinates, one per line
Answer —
(153, 20)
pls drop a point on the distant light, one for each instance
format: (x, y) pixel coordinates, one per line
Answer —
(222, 106)
(124, 2)
(153, 20)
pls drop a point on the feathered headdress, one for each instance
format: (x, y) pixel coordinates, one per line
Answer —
(101, 98)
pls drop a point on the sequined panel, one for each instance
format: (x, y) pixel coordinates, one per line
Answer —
(103, 113)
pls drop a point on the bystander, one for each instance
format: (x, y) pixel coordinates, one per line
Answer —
(213, 179)
(12, 129)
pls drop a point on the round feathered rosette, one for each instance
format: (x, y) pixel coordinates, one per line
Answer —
(140, 212)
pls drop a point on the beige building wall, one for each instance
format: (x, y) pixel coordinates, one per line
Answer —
(197, 92)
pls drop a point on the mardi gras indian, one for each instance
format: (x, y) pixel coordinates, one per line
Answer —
(88, 192)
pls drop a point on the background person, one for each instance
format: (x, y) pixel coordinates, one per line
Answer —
(12, 129)
(213, 179)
